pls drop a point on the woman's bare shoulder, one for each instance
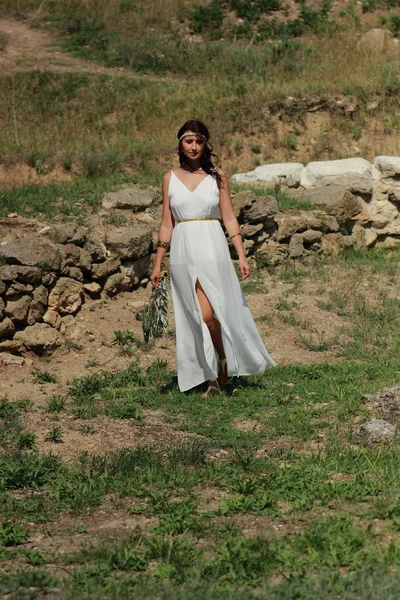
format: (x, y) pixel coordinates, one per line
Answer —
(166, 177)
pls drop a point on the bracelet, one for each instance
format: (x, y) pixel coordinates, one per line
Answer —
(234, 235)
(164, 245)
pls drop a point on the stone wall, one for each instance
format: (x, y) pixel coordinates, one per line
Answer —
(46, 276)
(366, 193)
(47, 271)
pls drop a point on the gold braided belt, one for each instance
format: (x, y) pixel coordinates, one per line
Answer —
(200, 219)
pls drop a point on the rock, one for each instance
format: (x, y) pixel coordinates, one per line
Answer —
(329, 223)
(375, 40)
(17, 309)
(388, 242)
(243, 199)
(70, 254)
(2, 288)
(249, 231)
(386, 402)
(2, 307)
(311, 236)
(10, 359)
(68, 321)
(275, 174)
(74, 273)
(132, 198)
(7, 328)
(19, 288)
(32, 251)
(336, 200)
(38, 305)
(389, 166)
(296, 248)
(134, 271)
(394, 193)
(378, 429)
(248, 247)
(262, 210)
(130, 242)
(11, 346)
(52, 318)
(66, 296)
(67, 233)
(370, 237)
(116, 284)
(332, 243)
(93, 288)
(95, 247)
(85, 261)
(353, 174)
(274, 254)
(105, 269)
(20, 273)
(137, 304)
(290, 223)
(39, 338)
(48, 279)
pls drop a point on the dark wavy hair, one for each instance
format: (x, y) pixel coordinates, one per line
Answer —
(208, 158)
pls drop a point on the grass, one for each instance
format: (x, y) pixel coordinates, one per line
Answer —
(271, 491)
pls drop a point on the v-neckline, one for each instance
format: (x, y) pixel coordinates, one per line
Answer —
(185, 186)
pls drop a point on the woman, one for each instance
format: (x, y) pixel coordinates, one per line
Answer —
(215, 334)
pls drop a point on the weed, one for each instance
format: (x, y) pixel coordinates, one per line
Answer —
(12, 534)
(114, 219)
(42, 377)
(86, 429)
(54, 435)
(314, 341)
(71, 345)
(55, 404)
(26, 440)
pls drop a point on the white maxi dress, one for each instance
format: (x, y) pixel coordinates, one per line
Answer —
(199, 251)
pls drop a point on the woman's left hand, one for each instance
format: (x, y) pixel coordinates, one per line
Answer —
(244, 268)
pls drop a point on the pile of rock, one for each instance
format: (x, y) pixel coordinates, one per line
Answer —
(364, 199)
(45, 277)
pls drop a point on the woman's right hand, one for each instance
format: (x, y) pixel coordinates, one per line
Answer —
(155, 277)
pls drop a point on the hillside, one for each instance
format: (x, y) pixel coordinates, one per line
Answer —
(97, 88)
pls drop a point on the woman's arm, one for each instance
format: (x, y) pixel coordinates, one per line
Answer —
(164, 233)
(231, 224)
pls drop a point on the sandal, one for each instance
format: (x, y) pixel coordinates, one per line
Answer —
(212, 390)
(223, 372)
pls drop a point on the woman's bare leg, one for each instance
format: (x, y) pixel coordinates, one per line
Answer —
(213, 324)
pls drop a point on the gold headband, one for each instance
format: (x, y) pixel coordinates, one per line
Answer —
(192, 133)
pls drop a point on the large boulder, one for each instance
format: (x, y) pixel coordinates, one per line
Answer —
(262, 210)
(336, 200)
(273, 254)
(130, 243)
(375, 40)
(388, 166)
(7, 328)
(66, 297)
(95, 247)
(137, 269)
(20, 273)
(17, 308)
(105, 269)
(132, 198)
(38, 305)
(354, 174)
(275, 174)
(67, 233)
(39, 338)
(32, 251)
(291, 223)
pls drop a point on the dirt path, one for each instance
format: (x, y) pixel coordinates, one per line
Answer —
(28, 48)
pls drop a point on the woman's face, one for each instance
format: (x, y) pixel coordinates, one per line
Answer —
(193, 146)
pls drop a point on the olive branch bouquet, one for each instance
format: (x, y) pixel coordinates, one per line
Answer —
(154, 316)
